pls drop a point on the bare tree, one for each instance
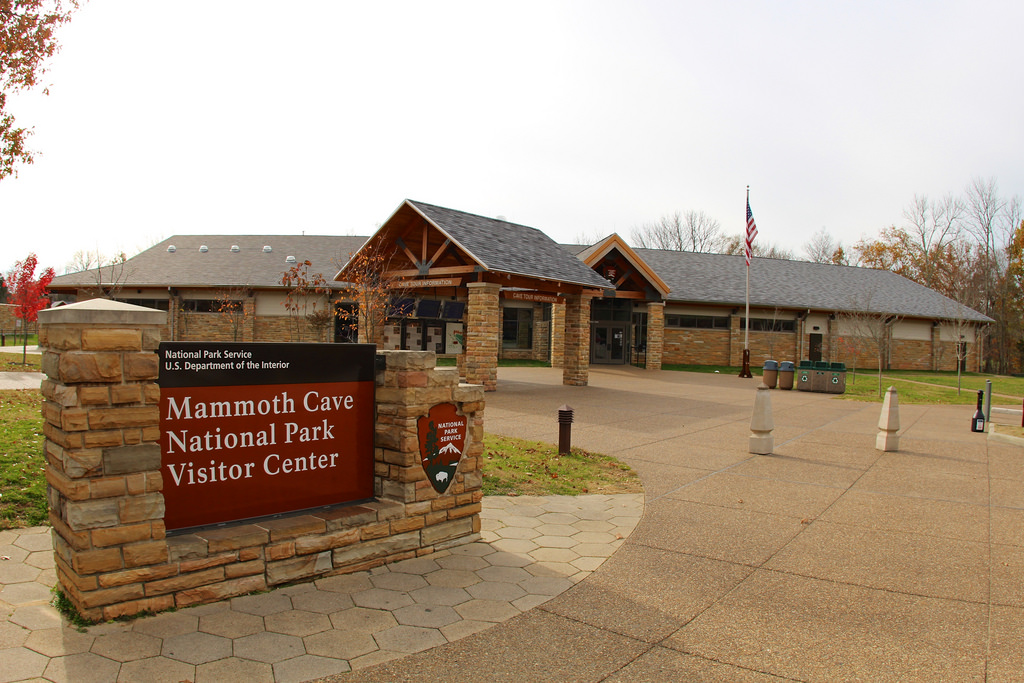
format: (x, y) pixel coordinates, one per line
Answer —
(873, 328)
(107, 274)
(735, 245)
(690, 231)
(933, 225)
(984, 207)
(824, 248)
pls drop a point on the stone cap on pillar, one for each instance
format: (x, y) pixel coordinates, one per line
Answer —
(104, 312)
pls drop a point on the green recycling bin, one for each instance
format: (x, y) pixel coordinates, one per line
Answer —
(836, 379)
(819, 376)
(786, 370)
(770, 373)
(803, 375)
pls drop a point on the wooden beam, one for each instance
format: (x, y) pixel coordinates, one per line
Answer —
(438, 252)
(447, 270)
(401, 245)
(424, 249)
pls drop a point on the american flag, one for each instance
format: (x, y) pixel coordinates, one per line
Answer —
(751, 234)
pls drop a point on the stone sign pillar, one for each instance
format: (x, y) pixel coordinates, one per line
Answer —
(576, 370)
(558, 334)
(101, 413)
(482, 335)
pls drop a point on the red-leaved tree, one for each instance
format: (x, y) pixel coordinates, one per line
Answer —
(27, 294)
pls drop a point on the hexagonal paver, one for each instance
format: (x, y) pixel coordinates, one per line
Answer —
(345, 583)
(529, 601)
(558, 569)
(235, 669)
(521, 520)
(12, 635)
(474, 549)
(546, 585)
(588, 564)
(36, 617)
(20, 663)
(81, 668)
(308, 667)
(379, 598)
(504, 559)
(440, 595)
(463, 628)
(557, 530)
(167, 625)
(56, 642)
(486, 610)
(496, 590)
(17, 572)
(553, 555)
(467, 563)
(452, 578)
(262, 604)
(428, 616)
(13, 553)
(409, 639)
(418, 565)
(155, 669)
(594, 525)
(269, 647)
(197, 648)
(558, 518)
(340, 643)
(126, 647)
(596, 549)
(297, 623)
(35, 542)
(362, 619)
(514, 545)
(322, 602)
(42, 559)
(398, 582)
(231, 624)
(506, 574)
(516, 532)
(19, 594)
(555, 541)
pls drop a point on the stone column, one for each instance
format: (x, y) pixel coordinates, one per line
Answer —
(101, 423)
(576, 370)
(482, 335)
(655, 334)
(558, 334)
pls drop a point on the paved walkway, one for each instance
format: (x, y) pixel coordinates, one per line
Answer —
(827, 560)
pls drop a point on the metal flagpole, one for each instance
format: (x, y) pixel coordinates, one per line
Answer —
(745, 370)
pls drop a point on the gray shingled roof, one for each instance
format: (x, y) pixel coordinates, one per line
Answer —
(219, 266)
(721, 278)
(510, 248)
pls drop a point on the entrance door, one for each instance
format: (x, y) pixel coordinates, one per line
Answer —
(814, 350)
(609, 343)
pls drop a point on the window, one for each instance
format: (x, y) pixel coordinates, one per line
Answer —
(201, 305)
(517, 328)
(700, 322)
(768, 325)
(159, 304)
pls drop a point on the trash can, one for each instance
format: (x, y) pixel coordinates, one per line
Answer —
(819, 376)
(770, 373)
(836, 379)
(803, 378)
(786, 370)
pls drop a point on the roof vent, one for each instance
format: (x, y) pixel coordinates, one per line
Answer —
(203, 249)
(501, 218)
(290, 259)
(235, 248)
(267, 249)
(172, 248)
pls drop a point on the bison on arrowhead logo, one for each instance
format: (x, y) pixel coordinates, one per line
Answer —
(442, 435)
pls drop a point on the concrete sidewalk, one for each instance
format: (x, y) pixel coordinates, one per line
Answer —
(826, 561)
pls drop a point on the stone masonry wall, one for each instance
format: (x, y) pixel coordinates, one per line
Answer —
(655, 334)
(113, 555)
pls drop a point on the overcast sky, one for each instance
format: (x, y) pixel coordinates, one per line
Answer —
(577, 118)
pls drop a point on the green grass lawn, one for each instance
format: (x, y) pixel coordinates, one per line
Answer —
(22, 464)
(11, 362)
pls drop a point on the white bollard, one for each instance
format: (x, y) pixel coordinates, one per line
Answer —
(889, 423)
(761, 424)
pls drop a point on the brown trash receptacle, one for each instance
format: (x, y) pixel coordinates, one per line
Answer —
(770, 373)
(836, 379)
(819, 376)
(786, 371)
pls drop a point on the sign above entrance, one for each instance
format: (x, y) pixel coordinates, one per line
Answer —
(249, 430)
(533, 296)
(435, 282)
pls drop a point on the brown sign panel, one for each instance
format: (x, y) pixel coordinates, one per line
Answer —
(442, 435)
(533, 296)
(249, 430)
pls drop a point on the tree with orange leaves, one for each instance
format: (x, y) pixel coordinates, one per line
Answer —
(28, 294)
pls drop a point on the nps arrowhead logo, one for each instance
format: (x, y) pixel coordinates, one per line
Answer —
(442, 435)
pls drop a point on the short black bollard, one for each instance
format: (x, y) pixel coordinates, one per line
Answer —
(978, 421)
(564, 430)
